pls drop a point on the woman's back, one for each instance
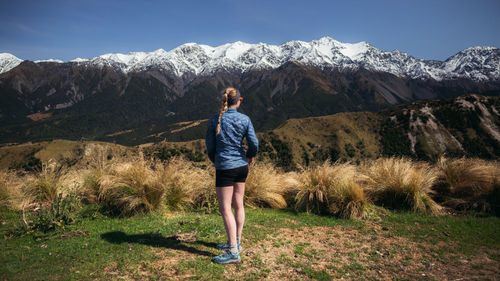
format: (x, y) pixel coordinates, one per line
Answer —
(225, 149)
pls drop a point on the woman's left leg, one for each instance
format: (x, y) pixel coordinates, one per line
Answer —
(239, 210)
(224, 197)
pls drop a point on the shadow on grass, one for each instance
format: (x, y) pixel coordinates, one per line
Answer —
(157, 240)
(288, 210)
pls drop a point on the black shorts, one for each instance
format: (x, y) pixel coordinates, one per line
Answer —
(229, 177)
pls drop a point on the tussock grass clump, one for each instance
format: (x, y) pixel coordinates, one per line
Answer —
(313, 189)
(265, 186)
(400, 183)
(187, 185)
(132, 187)
(91, 186)
(46, 184)
(331, 189)
(469, 184)
(347, 200)
(291, 182)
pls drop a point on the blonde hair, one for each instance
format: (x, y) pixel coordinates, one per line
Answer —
(228, 94)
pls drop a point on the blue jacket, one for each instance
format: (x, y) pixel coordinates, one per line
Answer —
(225, 150)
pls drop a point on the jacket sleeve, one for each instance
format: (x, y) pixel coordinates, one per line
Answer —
(210, 140)
(253, 142)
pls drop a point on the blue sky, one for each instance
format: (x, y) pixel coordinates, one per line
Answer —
(428, 29)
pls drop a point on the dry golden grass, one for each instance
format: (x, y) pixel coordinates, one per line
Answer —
(291, 182)
(130, 184)
(469, 183)
(11, 195)
(21, 192)
(265, 186)
(187, 185)
(401, 183)
(331, 189)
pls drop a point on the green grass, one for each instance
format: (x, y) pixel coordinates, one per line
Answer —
(463, 234)
(122, 245)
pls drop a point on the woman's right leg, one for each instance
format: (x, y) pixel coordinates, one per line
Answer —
(239, 211)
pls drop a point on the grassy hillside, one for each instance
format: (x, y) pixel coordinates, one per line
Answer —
(30, 156)
(468, 126)
(352, 135)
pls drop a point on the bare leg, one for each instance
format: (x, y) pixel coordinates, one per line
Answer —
(224, 197)
(238, 194)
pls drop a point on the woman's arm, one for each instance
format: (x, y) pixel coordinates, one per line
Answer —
(210, 140)
(253, 142)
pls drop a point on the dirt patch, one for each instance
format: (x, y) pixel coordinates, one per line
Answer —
(187, 125)
(316, 252)
(167, 262)
(39, 116)
(118, 133)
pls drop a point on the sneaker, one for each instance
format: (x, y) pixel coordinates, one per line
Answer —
(225, 246)
(227, 257)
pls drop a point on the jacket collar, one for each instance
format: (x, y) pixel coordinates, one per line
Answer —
(231, 110)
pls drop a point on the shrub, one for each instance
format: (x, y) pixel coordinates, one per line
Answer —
(331, 189)
(61, 211)
(469, 184)
(400, 183)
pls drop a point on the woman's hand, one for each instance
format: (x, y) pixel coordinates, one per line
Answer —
(250, 160)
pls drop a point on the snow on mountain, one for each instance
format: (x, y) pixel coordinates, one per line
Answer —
(49, 60)
(476, 63)
(464, 64)
(8, 61)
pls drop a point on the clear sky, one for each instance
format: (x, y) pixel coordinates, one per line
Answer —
(66, 29)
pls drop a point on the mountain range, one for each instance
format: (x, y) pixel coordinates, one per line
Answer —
(149, 96)
(191, 60)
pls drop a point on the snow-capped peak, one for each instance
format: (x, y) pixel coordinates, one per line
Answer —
(354, 51)
(465, 63)
(8, 61)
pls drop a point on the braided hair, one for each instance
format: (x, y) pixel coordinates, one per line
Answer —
(228, 95)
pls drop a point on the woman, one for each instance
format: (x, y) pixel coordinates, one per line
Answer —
(225, 134)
